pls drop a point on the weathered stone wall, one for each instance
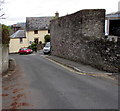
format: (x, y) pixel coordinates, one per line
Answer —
(76, 37)
(110, 53)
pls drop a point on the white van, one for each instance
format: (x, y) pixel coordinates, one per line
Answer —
(47, 48)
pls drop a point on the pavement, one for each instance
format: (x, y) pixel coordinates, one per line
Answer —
(79, 67)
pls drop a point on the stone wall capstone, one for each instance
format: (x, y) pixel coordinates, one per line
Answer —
(80, 37)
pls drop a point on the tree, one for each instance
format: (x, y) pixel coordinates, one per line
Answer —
(47, 38)
(33, 46)
(5, 34)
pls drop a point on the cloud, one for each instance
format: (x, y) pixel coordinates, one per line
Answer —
(29, 8)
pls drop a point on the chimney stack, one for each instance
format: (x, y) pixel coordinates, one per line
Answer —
(56, 14)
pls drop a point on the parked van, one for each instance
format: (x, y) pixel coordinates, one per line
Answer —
(47, 48)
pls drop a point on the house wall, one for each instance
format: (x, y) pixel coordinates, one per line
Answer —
(81, 37)
(30, 35)
(15, 45)
(4, 58)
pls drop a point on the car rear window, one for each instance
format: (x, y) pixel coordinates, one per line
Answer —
(48, 44)
(25, 48)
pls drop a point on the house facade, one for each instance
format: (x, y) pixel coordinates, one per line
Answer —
(36, 29)
(17, 40)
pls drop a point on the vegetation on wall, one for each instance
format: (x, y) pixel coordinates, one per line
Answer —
(5, 34)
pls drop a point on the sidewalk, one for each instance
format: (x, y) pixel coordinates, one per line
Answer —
(85, 69)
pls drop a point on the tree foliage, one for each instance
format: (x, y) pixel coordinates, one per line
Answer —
(33, 46)
(5, 34)
(47, 38)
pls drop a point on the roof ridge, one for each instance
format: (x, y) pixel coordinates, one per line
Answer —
(41, 17)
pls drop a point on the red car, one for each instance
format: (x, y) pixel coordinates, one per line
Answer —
(25, 51)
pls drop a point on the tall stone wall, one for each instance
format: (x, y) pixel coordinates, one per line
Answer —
(76, 37)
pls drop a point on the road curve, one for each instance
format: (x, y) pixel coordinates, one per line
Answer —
(54, 87)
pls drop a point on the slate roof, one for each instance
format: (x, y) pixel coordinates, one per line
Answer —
(37, 23)
(22, 25)
(19, 34)
(115, 14)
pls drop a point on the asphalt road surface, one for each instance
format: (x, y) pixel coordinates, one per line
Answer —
(46, 85)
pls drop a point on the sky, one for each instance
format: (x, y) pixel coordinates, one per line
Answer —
(16, 11)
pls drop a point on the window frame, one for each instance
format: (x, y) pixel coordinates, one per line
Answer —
(35, 31)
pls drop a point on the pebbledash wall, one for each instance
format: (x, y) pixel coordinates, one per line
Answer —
(4, 58)
(81, 37)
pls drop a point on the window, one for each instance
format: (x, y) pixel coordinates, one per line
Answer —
(48, 31)
(21, 40)
(35, 31)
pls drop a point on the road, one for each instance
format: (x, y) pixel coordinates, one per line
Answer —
(41, 84)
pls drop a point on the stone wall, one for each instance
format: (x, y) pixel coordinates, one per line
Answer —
(80, 37)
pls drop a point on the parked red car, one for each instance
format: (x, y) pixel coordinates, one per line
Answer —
(25, 51)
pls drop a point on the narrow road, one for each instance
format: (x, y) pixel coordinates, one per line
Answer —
(46, 85)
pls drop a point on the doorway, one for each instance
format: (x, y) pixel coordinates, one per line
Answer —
(36, 40)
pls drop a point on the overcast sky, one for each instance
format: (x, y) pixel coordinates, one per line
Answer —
(18, 10)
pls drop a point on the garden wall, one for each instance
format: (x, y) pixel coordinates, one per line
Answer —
(4, 58)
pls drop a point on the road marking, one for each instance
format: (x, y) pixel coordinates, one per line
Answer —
(107, 75)
(43, 55)
(61, 65)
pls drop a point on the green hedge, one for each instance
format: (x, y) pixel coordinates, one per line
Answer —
(5, 34)
(47, 38)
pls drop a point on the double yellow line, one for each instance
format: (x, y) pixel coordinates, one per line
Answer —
(107, 75)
